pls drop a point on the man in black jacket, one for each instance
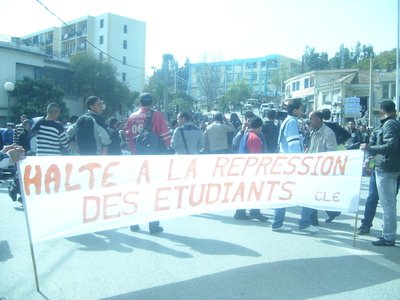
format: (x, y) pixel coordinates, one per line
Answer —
(341, 134)
(355, 137)
(387, 170)
(92, 137)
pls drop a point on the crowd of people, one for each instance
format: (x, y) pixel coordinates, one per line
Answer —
(146, 131)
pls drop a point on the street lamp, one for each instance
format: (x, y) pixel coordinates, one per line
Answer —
(9, 87)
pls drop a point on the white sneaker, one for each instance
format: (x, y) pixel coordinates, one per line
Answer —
(283, 228)
(310, 229)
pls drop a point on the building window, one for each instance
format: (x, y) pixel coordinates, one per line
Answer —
(263, 64)
(272, 63)
(306, 82)
(101, 40)
(125, 28)
(385, 91)
(102, 23)
(101, 56)
(253, 76)
(311, 81)
(228, 68)
(124, 60)
(295, 86)
(325, 99)
(125, 45)
(251, 65)
(123, 77)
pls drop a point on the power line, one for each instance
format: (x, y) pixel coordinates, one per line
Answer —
(94, 46)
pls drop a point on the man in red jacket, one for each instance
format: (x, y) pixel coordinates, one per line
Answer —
(136, 122)
(135, 125)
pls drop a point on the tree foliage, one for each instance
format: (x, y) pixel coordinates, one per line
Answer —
(345, 58)
(238, 93)
(94, 77)
(33, 96)
(180, 101)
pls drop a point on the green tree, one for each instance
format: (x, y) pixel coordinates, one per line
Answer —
(33, 96)
(313, 60)
(237, 93)
(182, 101)
(155, 86)
(94, 77)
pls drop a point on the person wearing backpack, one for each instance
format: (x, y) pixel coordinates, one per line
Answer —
(146, 119)
(152, 123)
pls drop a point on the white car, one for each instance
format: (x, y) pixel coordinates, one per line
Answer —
(248, 107)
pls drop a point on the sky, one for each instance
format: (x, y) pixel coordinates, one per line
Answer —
(215, 30)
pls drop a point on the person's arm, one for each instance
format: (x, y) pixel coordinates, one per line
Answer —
(176, 140)
(293, 137)
(390, 141)
(331, 144)
(104, 137)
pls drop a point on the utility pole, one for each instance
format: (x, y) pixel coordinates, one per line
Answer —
(397, 102)
(370, 100)
(165, 67)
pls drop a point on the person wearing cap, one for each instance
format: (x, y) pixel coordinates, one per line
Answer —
(216, 135)
(92, 137)
(8, 134)
(136, 121)
(159, 126)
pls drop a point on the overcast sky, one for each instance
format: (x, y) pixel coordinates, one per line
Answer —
(214, 30)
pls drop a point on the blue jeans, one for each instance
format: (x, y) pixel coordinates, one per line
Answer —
(372, 202)
(304, 222)
(386, 183)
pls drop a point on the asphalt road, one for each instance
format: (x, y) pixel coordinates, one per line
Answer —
(208, 256)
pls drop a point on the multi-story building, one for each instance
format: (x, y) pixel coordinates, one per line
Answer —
(264, 75)
(119, 39)
(330, 88)
(18, 60)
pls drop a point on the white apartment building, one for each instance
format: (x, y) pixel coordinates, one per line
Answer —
(264, 75)
(110, 37)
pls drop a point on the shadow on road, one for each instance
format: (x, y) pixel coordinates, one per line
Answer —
(115, 241)
(5, 252)
(293, 279)
(210, 246)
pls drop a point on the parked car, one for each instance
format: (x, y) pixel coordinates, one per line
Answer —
(248, 107)
(264, 107)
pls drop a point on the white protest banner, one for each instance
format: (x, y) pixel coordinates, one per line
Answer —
(73, 195)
